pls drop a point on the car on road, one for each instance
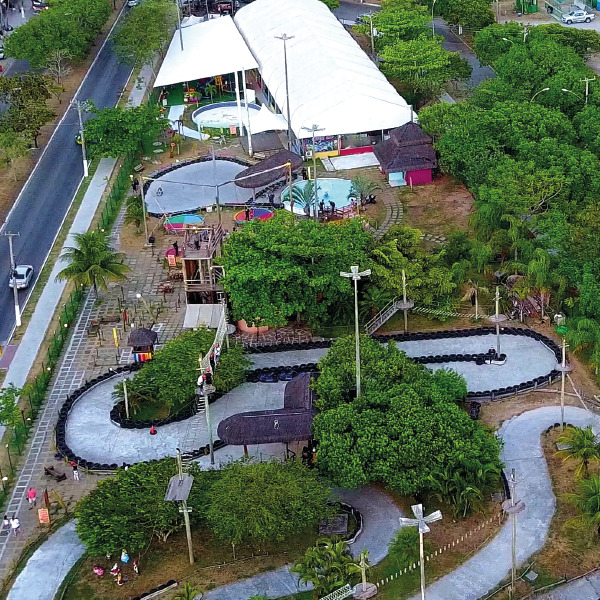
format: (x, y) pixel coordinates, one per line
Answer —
(132, 3)
(578, 16)
(21, 277)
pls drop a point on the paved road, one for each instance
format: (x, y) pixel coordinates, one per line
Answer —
(348, 11)
(45, 200)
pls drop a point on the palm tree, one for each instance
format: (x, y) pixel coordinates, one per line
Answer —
(188, 592)
(211, 89)
(473, 289)
(373, 300)
(587, 500)
(542, 277)
(586, 337)
(135, 212)
(303, 196)
(362, 187)
(404, 548)
(92, 262)
(581, 446)
(327, 566)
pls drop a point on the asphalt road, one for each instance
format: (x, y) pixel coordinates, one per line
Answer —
(348, 11)
(46, 198)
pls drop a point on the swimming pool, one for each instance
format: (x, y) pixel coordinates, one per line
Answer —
(328, 189)
(222, 115)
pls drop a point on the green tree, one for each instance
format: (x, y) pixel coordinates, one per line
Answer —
(92, 262)
(469, 13)
(424, 64)
(327, 566)
(134, 214)
(404, 548)
(12, 147)
(404, 425)
(231, 370)
(129, 510)
(585, 338)
(265, 502)
(281, 268)
(119, 132)
(188, 592)
(373, 300)
(304, 197)
(582, 447)
(10, 415)
(543, 277)
(587, 500)
(176, 361)
(146, 32)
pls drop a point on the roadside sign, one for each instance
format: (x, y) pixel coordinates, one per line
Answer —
(43, 516)
(172, 260)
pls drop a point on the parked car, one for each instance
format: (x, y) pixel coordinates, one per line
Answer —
(578, 16)
(39, 5)
(21, 277)
(132, 3)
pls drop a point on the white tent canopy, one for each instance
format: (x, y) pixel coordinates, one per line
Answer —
(332, 82)
(214, 47)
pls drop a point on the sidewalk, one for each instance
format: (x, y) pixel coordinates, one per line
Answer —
(39, 449)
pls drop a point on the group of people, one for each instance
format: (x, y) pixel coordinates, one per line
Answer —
(13, 524)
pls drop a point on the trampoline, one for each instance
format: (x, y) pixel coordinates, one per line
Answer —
(328, 189)
(177, 222)
(222, 115)
(262, 214)
(193, 186)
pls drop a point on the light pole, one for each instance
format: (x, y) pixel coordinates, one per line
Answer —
(12, 275)
(81, 106)
(432, 17)
(140, 297)
(284, 38)
(587, 81)
(513, 508)
(179, 24)
(562, 367)
(497, 319)
(355, 275)
(313, 130)
(542, 90)
(422, 523)
(9, 458)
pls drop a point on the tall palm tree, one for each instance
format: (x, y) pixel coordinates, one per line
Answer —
(92, 262)
(542, 277)
(581, 446)
(585, 336)
(361, 188)
(135, 212)
(587, 500)
(303, 196)
(474, 288)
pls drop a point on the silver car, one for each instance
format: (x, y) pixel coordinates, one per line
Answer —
(578, 16)
(21, 277)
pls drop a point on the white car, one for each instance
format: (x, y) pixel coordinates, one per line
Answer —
(21, 277)
(578, 16)
(132, 3)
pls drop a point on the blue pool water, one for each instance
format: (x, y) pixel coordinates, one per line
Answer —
(328, 189)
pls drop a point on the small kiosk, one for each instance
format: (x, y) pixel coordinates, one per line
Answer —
(142, 341)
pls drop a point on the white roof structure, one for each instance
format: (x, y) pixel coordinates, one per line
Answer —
(214, 47)
(333, 83)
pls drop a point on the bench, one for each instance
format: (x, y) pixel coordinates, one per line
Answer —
(56, 475)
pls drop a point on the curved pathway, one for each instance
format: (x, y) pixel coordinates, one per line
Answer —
(48, 566)
(523, 452)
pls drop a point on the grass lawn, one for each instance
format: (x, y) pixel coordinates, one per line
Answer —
(214, 566)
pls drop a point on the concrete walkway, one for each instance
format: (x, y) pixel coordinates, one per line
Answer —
(587, 588)
(523, 452)
(48, 566)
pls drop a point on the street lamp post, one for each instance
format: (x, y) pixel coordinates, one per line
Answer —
(432, 17)
(9, 458)
(355, 275)
(145, 216)
(497, 318)
(81, 106)
(179, 23)
(313, 130)
(562, 367)
(422, 523)
(542, 90)
(513, 508)
(284, 38)
(12, 274)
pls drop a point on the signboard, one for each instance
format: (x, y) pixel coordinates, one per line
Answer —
(233, 130)
(172, 260)
(179, 488)
(43, 516)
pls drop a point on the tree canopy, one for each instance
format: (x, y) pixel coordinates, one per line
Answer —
(119, 131)
(266, 502)
(129, 509)
(282, 267)
(403, 427)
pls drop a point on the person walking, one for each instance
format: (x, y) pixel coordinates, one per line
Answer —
(5, 524)
(15, 525)
(75, 472)
(32, 497)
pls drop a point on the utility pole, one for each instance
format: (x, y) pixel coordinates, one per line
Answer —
(126, 398)
(145, 216)
(12, 274)
(313, 130)
(81, 106)
(562, 367)
(497, 319)
(587, 80)
(285, 38)
(179, 23)
(405, 305)
(513, 508)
